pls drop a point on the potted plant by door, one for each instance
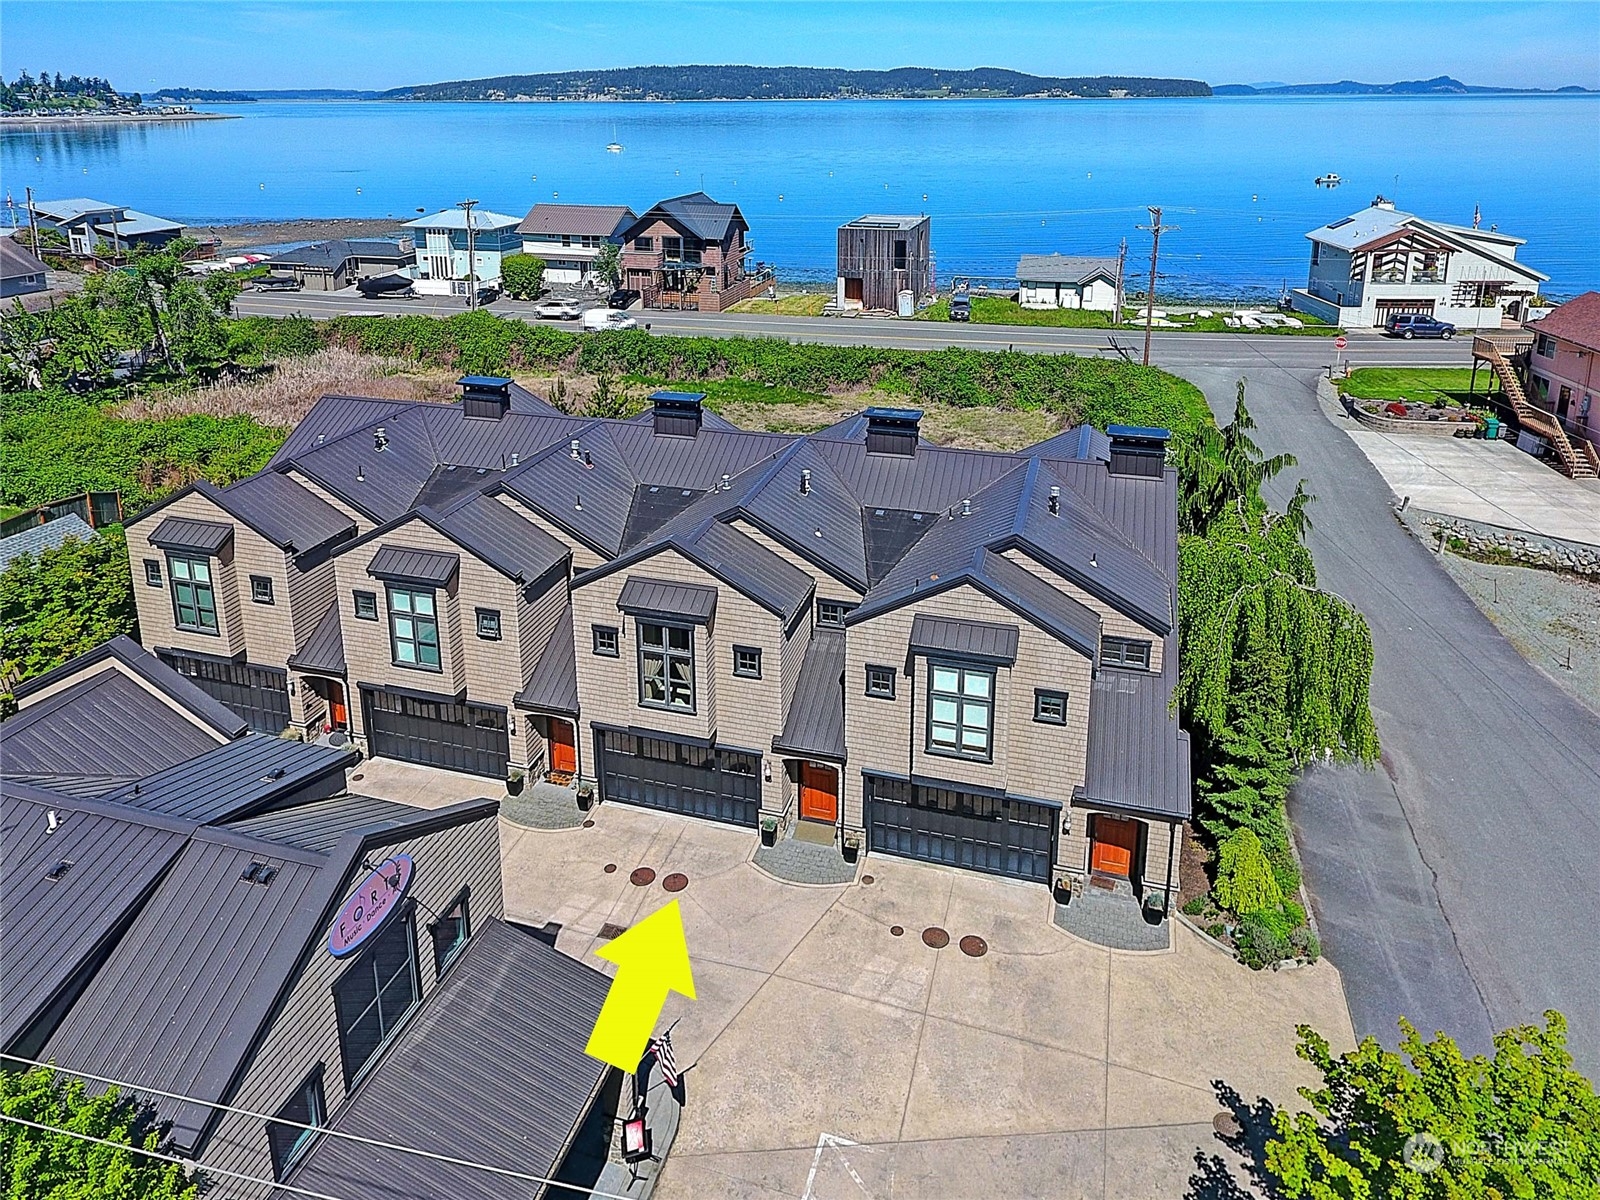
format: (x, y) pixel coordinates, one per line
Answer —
(514, 782)
(769, 831)
(852, 845)
(585, 795)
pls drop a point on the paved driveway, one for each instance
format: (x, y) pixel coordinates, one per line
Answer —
(834, 1059)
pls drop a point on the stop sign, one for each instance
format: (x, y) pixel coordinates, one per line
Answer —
(1339, 343)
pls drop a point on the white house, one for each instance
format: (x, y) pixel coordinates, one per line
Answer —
(1068, 281)
(1367, 267)
(569, 236)
(442, 242)
(92, 225)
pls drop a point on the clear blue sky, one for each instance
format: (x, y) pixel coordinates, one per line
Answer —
(139, 44)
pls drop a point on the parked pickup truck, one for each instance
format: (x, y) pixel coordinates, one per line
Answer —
(1415, 325)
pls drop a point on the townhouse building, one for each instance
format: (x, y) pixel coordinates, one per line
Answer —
(959, 656)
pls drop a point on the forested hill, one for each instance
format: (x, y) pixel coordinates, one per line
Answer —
(1441, 85)
(791, 83)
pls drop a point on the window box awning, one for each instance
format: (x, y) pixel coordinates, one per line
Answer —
(691, 602)
(402, 565)
(183, 533)
(979, 641)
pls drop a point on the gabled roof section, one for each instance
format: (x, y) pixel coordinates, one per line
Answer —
(323, 651)
(1065, 268)
(16, 261)
(698, 214)
(282, 511)
(51, 535)
(482, 220)
(822, 523)
(814, 724)
(591, 220)
(236, 778)
(491, 532)
(332, 417)
(319, 824)
(1577, 321)
(329, 256)
(553, 683)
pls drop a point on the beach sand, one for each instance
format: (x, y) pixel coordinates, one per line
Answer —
(273, 233)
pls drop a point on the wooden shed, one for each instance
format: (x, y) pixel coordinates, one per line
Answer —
(882, 256)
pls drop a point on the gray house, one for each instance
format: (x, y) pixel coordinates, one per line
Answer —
(21, 273)
(329, 266)
(1069, 281)
(568, 237)
(960, 656)
(96, 227)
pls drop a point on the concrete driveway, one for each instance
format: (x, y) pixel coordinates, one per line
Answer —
(835, 1059)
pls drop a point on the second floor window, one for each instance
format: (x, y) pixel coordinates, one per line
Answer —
(194, 604)
(371, 997)
(152, 572)
(287, 1137)
(413, 628)
(960, 711)
(747, 662)
(489, 624)
(1125, 652)
(261, 589)
(644, 243)
(1544, 346)
(605, 640)
(666, 666)
(366, 606)
(831, 613)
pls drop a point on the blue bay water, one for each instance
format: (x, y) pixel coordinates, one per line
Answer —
(999, 178)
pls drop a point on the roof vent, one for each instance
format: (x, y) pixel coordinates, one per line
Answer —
(577, 502)
(1138, 450)
(380, 439)
(966, 508)
(588, 461)
(514, 457)
(1382, 201)
(486, 397)
(361, 475)
(1055, 501)
(250, 873)
(677, 414)
(51, 821)
(893, 430)
(574, 451)
(805, 482)
(60, 869)
(1094, 561)
(727, 481)
(268, 874)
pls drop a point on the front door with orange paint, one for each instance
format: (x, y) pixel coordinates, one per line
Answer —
(819, 793)
(338, 718)
(563, 746)
(1113, 842)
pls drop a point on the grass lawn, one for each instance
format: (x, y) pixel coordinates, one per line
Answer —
(1422, 385)
(804, 304)
(993, 310)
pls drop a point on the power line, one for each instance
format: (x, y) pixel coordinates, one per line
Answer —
(321, 1130)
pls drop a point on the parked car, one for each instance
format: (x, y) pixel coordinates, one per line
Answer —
(1415, 325)
(392, 287)
(960, 307)
(276, 283)
(557, 309)
(623, 298)
(598, 320)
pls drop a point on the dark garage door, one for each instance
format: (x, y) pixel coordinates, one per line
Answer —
(999, 835)
(260, 695)
(722, 785)
(458, 737)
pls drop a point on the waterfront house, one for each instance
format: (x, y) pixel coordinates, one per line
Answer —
(688, 252)
(568, 237)
(442, 249)
(1381, 262)
(330, 266)
(881, 258)
(21, 274)
(960, 656)
(1562, 378)
(1069, 281)
(94, 227)
(208, 917)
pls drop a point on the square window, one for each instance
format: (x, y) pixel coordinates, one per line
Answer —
(261, 589)
(605, 640)
(287, 1137)
(1050, 708)
(831, 613)
(489, 624)
(366, 606)
(152, 572)
(880, 682)
(747, 662)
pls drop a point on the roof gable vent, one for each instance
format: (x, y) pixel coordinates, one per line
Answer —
(677, 414)
(486, 397)
(893, 431)
(1138, 450)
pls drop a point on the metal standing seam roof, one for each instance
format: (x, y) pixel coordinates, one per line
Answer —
(592, 220)
(406, 565)
(553, 683)
(985, 641)
(332, 417)
(698, 213)
(493, 533)
(286, 514)
(642, 596)
(63, 212)
(491, 1069)
(1138, 756)
(483, 221)
(323, 651)
(235, 778)
(48, 536)
(1065, 268)
(330, 255)
(50, 928)
(768, 579)
(182, 533)
(814, 724)
(320, 824)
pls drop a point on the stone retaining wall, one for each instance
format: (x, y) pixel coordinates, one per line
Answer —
(1530, 549)
(1408, 425)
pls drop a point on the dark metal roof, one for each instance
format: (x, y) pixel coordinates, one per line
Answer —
(982, 640)
(413, 566)
(553, 683)
(1030, 597)
(282, 511)
(16, 261)
(645, 597)
(319, 824)
(494, 534)
(50, 928)
(697, 213)
(236, 778)
(323, 651)
(331, 418)
(328, 256)
(182, 533)
(1138, 757)
(709, 419)
(491, 1070)
(815, 721)
(653, 506)
(771, 581)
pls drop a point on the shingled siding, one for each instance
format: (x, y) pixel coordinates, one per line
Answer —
(157, 624)
(1030, 758)
(1112, 622)
(305, 1030)
(538, 620)
(1073, 853)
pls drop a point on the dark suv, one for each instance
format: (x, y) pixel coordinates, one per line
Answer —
(1415, 325)
(623, 298)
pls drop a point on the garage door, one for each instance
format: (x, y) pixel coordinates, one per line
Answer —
(260, 695)
(999, 835)
(1389, 308)
(458, 737)
(700, 781)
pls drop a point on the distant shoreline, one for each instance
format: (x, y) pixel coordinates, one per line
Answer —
(64, 119)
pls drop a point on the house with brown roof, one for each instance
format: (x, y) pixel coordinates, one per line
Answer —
(1562, 378)
(959, 656)
(568, 237)
(688, 252)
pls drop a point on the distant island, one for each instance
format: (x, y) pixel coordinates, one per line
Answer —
(54, 99)
(1442, 85)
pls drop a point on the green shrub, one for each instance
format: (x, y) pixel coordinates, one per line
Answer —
(1304, 943)
(1261, 940)
(1245, 882)
(522, 275)
(1294, 914)
(1195, 907)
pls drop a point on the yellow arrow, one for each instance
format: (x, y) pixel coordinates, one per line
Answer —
(652, 959)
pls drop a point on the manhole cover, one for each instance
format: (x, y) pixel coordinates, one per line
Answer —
(611, 868)
(866, 879)
(935, 937)
(588, 824)
(357, 775)
(897, 930)
(675, 882)
(974, 946)
(611, 930)
(642, 876)
(1226, 1124)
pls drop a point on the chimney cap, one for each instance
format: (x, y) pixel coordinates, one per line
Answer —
(498, 383)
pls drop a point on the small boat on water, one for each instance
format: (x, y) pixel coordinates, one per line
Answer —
(614, 146)
(1330, 180)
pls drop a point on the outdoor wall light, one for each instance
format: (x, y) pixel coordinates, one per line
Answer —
(511, 724)
(1066, 821)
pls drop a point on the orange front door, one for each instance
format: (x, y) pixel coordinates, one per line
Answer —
(819, 793)
(1112, 843)
(563, 746)
(337, 716)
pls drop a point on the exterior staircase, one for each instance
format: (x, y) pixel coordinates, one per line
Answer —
(1578, 461)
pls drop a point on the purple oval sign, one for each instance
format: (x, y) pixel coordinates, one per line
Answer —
(373, 903)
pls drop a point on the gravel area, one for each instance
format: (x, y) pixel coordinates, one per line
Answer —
(277, 233)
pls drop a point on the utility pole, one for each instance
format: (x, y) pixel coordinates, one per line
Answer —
(1155, 229)
(1122, 260)
(33, 223)
(472, 256)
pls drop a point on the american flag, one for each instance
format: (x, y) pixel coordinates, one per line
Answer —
(669, 1061)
